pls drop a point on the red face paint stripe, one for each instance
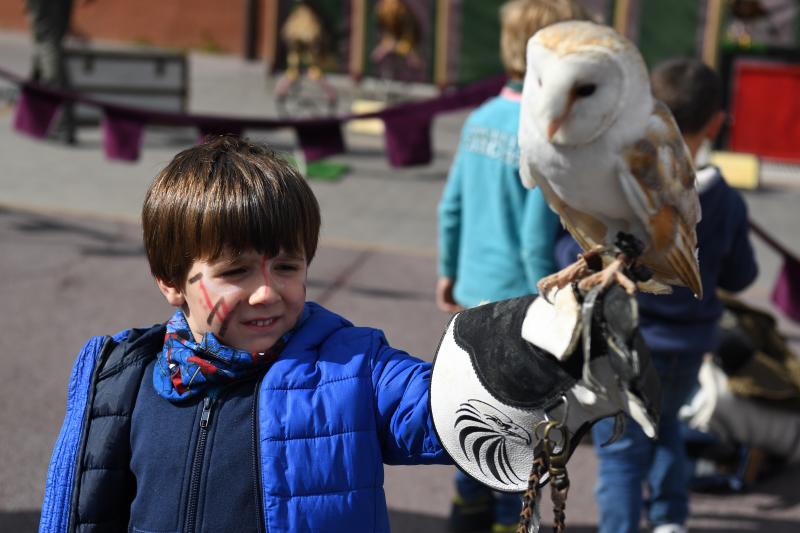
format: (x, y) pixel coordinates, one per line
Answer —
(204, 292)
(225, 310)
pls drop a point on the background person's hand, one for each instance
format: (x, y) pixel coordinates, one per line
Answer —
(444, 296)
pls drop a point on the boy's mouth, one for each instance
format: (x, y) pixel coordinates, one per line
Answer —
(260, 322)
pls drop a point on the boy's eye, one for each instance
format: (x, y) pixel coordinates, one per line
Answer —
(233, 272)
(287, 267)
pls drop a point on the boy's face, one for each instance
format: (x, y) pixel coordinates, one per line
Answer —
(247, 301)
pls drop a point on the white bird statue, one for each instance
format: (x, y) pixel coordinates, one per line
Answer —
(609, 160)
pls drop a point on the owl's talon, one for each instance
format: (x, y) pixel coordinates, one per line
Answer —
(625, 282)
(564, 277)
(544, 291)
(619, 428)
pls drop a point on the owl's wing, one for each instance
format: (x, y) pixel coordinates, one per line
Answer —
(659, 182)
(587, 230)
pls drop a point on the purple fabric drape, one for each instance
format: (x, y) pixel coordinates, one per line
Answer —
(222, 127)
(320, 138)
(786, 292)
(408, 125)
(35, 111)
(408, 138)
(407, 130)
(122, 135)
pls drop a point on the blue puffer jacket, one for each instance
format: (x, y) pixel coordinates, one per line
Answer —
(337, 405)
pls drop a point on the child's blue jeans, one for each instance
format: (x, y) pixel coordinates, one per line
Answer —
(634, 459)
(507, 505)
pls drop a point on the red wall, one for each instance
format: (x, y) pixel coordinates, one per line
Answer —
(212, 25)
(766, 111)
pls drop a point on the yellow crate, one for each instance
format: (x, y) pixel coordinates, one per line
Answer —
(740, 170)
(367, 126)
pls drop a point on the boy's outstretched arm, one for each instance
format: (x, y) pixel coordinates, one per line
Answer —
(405, 426)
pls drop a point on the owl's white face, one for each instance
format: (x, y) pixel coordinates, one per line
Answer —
(574, 98)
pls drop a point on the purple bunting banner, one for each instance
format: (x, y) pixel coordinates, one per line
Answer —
(407, 125)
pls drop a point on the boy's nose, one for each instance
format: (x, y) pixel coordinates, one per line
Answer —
(264, 294)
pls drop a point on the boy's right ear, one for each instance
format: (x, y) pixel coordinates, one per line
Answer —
(173, 295)
(714, 125)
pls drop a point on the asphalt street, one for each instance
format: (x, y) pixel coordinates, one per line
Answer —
(72, 266)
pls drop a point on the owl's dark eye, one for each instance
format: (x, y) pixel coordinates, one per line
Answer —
(582, 91)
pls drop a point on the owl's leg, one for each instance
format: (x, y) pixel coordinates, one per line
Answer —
(622, 268)
(586, 263)
(614, 272)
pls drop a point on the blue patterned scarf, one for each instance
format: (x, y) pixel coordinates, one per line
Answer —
(186, 368)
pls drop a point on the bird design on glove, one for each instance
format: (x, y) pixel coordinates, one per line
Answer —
(487, 428)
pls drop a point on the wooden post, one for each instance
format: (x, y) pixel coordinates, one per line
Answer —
(621, 15)
(358, 10)
(441, 53)
(250, 29)
(271, 33)
(711, 32)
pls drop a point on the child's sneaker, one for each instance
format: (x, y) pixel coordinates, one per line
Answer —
(670, 528)
(473, 515)
(498, 527)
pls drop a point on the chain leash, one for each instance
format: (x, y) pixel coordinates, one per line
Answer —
(531, 495)
(555, 463)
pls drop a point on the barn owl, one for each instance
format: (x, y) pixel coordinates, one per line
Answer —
(607, 156)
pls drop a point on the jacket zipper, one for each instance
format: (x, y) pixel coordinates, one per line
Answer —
(261, 525)
(197, 466)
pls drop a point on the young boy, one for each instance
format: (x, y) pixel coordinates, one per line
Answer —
(250, 409)
(678, 328)
(496, 238)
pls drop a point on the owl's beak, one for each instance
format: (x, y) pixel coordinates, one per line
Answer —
(554, 126)
(557, 122)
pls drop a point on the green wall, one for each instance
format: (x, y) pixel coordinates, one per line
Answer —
(668, 29)
(480, 40)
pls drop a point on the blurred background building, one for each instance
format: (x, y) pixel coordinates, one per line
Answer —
(457, 39)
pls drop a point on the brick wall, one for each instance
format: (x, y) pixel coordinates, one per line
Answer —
(213, 25)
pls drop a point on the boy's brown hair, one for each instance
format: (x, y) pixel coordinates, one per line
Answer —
(227, 194)
(520, 19)
(690, 89)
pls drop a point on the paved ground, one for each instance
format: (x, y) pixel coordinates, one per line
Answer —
(72, 266)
